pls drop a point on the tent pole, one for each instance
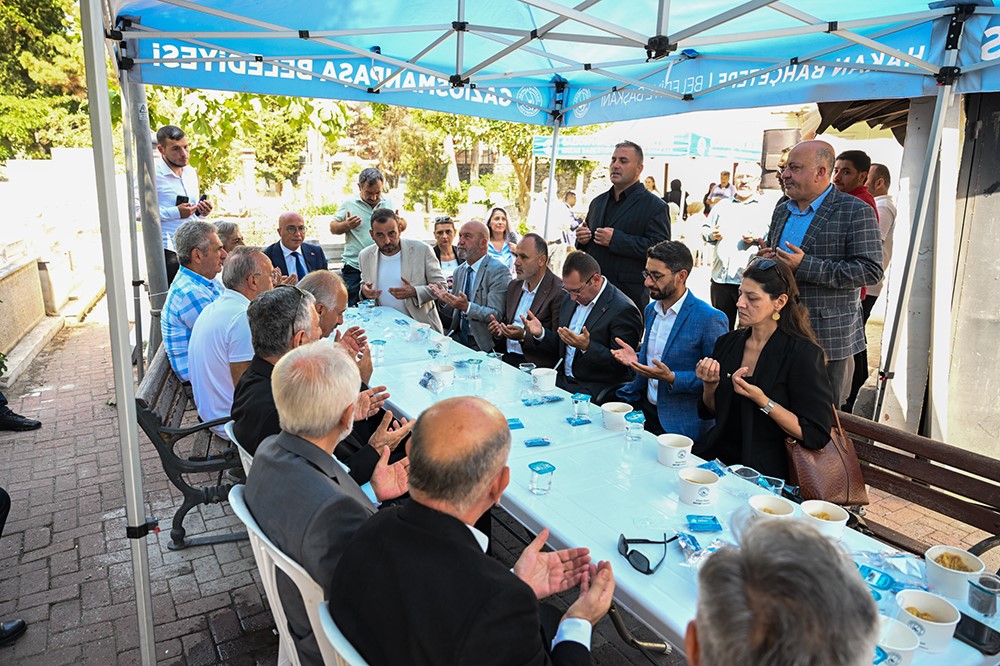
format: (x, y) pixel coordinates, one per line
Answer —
(104, 168)
(133, 236)
(921, 214)
(552, 174)
(156, 266)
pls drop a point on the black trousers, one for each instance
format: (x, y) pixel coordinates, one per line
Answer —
(724, 297)
(652, 418)
(861, 358)
(4, 509)
(352, 278)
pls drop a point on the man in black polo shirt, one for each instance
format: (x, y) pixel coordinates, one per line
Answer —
(623, 223)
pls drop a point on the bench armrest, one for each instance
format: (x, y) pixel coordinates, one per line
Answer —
(184, 432)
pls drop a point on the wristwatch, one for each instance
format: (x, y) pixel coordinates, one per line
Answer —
(768, 407)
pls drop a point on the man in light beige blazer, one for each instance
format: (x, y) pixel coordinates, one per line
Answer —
(396, 272)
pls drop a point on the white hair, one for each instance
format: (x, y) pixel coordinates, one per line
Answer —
(313, 385)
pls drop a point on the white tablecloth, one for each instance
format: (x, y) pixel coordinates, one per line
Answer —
(603, 486)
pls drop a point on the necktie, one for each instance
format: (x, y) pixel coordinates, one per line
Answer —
(465, 319)
(300, 270)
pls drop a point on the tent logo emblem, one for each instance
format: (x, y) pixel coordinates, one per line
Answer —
(532, 96)
(581, 95)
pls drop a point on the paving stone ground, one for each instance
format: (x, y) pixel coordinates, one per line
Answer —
(65, 564)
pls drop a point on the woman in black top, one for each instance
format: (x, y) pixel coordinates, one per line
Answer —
(766, 381)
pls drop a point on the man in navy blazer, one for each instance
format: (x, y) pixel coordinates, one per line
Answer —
(291, 255)
(681, 329)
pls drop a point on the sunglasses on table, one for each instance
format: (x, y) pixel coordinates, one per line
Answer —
(639, 561)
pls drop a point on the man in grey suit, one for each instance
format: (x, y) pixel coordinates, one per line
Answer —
(478, 292)
(830, 241)
(397, 271)
(593, 316)
(302, 498)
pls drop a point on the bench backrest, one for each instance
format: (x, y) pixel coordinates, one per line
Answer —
(960, 484)
(161, 399)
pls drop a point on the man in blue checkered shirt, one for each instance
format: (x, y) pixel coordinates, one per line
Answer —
(200, 253)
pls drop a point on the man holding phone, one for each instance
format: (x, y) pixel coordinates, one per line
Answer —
(176, 190)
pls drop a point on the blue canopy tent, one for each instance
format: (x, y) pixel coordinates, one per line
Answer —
(530, 61)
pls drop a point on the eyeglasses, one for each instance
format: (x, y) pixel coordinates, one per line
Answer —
(766, 265)
(655, 277)
(577, 292)
(639, 561)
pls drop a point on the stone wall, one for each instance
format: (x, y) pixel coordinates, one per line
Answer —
(21, 304)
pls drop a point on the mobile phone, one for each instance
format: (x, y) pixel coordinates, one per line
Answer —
(978, 635)
(181, 199)
(203, 197)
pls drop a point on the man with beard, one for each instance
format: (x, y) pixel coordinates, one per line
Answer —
(396, 271)
(536, 291)
(478, 290)
(176, 191)
(680, 330)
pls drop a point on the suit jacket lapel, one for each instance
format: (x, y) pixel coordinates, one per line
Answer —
(678, 322)
(602, 305)
(513, 298)
(819, 220)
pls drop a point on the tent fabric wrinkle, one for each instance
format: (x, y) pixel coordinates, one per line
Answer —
(500, 59)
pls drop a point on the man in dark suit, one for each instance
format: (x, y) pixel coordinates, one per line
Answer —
(536, 290)
(302, 498)
(623, 223)
(681, 329)
(593, 316)
(291, 255)
(478, 290)
(831, 241)
(421, 566)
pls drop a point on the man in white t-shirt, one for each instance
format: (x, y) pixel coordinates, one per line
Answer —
(396, 272)
(220, 349)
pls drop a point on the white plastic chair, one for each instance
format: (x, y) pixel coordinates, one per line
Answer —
(269, 557)
(333, 644)
(245, 456)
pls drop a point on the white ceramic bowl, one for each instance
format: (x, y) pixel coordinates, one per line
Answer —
(834, 525)
(614, 415)
(934, 634)
(697, 486)
(770, 506)
(898, 640)
(948, 582)
(544, 379)
(674, 450)
(443, 374)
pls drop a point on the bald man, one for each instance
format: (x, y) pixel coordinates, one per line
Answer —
(478, 292)
(830, 241)
(450, 603)
(292, 255)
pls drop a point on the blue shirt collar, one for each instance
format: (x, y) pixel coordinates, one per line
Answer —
(811, 209)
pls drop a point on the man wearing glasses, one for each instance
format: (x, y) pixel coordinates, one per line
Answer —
(594, 318)
(681, 329)
(292, 255)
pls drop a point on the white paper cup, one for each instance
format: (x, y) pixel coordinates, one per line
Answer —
(443, 374)
(948, 582)
(544, 379)
(934, 635)
(614, 415)
(898, 640)
(697, 486)
(832, 526)
(674, 450)
(770, 506)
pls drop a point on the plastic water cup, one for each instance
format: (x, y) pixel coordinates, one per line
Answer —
(474, 368)
(635, 423)
(378, 350)
(494, 362)
(526, 368)
(581, 406)
(540, 482)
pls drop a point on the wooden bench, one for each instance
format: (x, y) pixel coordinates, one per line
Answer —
(160, 405)
(959, 484)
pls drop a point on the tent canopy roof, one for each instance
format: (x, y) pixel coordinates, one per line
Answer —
(536, 60)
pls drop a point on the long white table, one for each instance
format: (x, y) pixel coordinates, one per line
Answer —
(603, 486)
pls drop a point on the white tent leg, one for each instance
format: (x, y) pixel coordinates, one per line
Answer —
(133, 235)
(552, 175)
(100, 128)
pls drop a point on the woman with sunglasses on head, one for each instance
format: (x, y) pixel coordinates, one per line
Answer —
(767, 380)
(503, 240)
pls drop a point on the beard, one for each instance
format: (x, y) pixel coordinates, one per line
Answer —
(460, 253)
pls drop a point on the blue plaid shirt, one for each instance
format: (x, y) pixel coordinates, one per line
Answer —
(189, 294)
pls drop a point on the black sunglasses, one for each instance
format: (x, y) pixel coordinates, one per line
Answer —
(443, 218)
(766, 265)
(639, 561)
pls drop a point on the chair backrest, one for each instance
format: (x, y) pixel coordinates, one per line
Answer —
(269, 557)
(333, 644)
(245, 456)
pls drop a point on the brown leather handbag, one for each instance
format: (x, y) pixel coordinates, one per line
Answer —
(832, 473)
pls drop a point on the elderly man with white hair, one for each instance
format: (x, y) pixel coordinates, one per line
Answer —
(302, 498)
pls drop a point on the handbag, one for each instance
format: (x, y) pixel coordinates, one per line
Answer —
(832, 473)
